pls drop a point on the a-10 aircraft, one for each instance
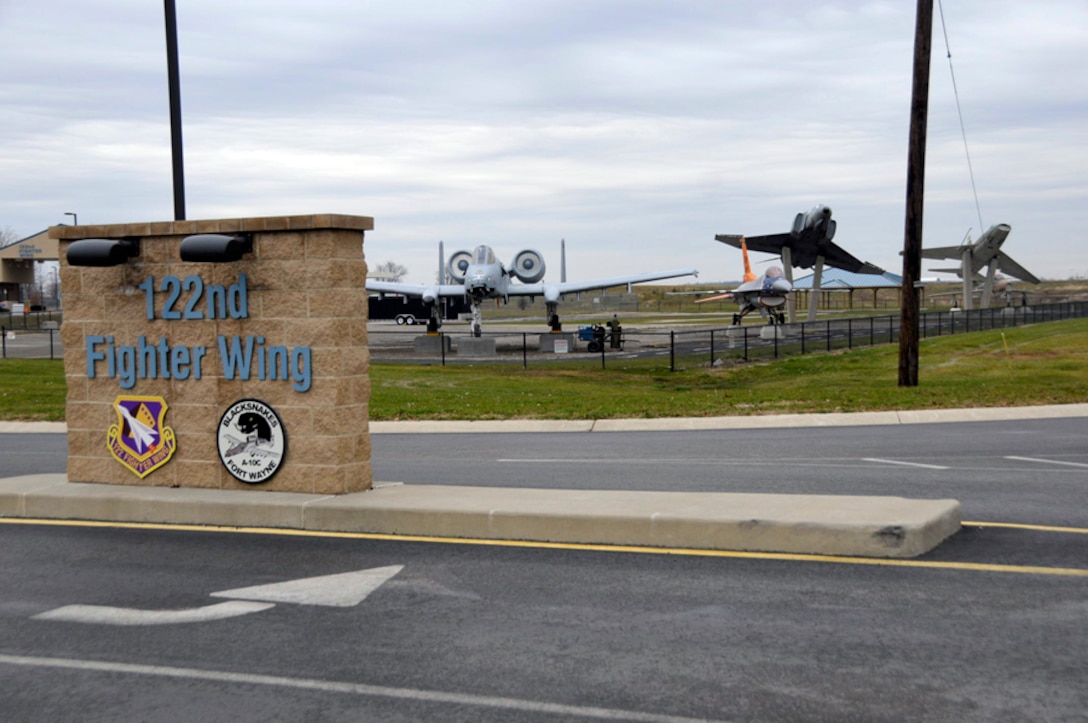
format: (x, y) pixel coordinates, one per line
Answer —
(765, 294)
(479, 275)
(986, 252)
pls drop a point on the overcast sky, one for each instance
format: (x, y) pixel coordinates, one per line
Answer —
(634, 129)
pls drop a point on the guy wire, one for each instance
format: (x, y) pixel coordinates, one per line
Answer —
(959, 111)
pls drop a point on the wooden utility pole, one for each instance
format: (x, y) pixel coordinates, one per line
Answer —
(174, 83)
(916, 182)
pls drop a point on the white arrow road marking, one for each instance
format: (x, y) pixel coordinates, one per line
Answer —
(343, 590)
(104, 615)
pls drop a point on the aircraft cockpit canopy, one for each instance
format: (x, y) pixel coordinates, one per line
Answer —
(483, 255)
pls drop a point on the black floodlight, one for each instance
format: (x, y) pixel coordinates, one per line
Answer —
(216, 248)
(102, 251)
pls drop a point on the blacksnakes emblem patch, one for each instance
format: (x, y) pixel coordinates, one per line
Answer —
(252, 441)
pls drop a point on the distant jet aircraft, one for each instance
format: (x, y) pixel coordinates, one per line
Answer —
(480, 275)
(806, 245)
(765, 294)
(986, 252)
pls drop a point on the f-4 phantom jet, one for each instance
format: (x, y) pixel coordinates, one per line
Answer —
(765, 294)
(807, 245)
(479, 275)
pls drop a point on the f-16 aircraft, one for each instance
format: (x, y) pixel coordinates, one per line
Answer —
(808, 241)
(480, 275)
(765, 294)
(986, 252)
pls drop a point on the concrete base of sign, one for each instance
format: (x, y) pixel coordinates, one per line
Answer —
(476, 346)
(547, 342)
(772, 331)
(891, 527)
(431, 344)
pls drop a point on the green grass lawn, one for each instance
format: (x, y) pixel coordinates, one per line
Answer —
(1029, 365)
(1040, 364)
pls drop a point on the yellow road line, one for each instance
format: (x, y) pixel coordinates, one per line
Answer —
(1018, 526)
(783, 556)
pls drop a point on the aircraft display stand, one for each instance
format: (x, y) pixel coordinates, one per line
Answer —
(547, 341)
(772, 331)
(431, 344)
(476, 346)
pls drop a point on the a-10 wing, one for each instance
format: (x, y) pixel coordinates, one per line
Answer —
(433, 292)
(424, 291)
(554, 291)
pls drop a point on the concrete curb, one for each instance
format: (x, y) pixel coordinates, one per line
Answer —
(851, 419)
(809, 524)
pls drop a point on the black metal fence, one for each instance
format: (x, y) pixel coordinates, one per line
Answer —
(30, 343)
(683, 348)
(31, 320)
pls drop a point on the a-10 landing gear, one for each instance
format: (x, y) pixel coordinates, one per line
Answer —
(477, 320)
(552, 310)
(436, 319)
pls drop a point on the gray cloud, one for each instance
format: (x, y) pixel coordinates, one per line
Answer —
(634, 129)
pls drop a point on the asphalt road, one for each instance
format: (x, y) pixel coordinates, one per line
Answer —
(989, 626)
(1026, 471)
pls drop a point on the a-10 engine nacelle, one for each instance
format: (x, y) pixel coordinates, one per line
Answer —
(458, 265)
(529, 266)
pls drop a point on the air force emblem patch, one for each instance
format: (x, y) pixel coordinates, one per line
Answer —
(141, 440)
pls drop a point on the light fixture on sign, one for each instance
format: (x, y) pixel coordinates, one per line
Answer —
(102, 251)
(216, 248)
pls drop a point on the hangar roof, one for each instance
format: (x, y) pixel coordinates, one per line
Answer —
(839, 280)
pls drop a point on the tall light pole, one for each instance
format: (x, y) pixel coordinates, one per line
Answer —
(175, 108)
(916, 183)
(75, 218)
